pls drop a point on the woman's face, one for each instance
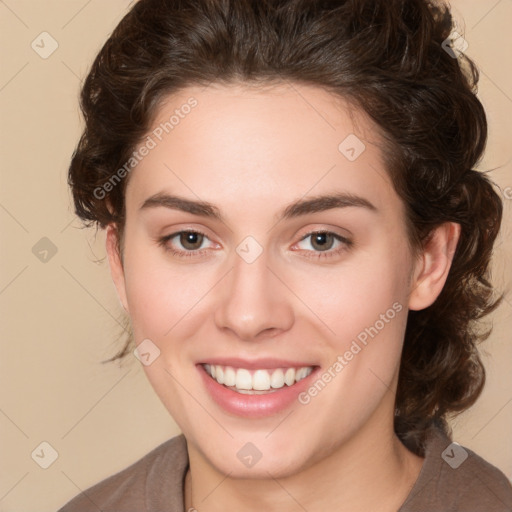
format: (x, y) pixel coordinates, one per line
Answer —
(254, 295)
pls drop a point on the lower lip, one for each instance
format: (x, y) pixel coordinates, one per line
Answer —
(254, 406)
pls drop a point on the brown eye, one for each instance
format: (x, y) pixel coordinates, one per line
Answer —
(185, 243)
(322, 241)
(323, 244)
(191, 240)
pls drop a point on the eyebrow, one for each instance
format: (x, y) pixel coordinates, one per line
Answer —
(293, 210)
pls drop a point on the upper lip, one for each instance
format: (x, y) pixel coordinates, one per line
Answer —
(255, 364)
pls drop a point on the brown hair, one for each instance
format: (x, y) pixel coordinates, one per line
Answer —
(386, 57)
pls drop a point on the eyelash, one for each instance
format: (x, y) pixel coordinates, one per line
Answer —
(181, 254)
(346, 244)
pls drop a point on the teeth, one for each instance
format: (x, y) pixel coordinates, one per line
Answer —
(219, 374)
(277, 379)
(261, 380)
(247, 382)
(243, 379)
(229, 376)
(302, 373)
(289, 376)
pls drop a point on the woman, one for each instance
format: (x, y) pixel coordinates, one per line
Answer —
(302, 246)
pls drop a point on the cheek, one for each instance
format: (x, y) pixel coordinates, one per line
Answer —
(363, 303)
(360, 295)
(160, 295)
(161, 302)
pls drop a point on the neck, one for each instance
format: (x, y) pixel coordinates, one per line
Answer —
(369, 472)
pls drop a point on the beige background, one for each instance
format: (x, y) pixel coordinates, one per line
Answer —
(60, 317)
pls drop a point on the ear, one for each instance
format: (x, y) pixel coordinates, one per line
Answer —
(433, 265)
(116, 264)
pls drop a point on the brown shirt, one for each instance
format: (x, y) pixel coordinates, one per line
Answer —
(452, 479)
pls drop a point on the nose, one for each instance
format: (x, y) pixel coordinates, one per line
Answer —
(254, 304)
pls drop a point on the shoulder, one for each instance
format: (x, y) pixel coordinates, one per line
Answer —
(140, 487)
(455, 478)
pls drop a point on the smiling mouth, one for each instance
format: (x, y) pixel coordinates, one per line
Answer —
(256, 382)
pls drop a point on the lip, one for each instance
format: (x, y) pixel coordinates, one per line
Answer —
(255, 406)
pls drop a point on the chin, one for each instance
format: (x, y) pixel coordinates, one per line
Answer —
(256, 455)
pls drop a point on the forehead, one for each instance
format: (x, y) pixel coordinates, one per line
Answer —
(239, 144)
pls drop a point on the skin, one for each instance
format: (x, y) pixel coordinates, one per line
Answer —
(251, 152)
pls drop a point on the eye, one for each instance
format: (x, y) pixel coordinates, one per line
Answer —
(191, 242)
(322, 242)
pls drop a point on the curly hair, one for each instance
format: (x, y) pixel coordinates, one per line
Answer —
(387, 57)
